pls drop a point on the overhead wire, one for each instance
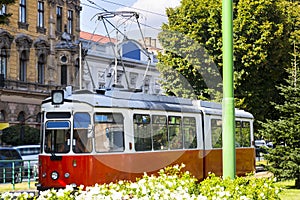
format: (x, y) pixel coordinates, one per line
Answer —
(119, 4)
(109, 14)
(103, 9)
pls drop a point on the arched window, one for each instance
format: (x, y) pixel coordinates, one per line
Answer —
(23, 66)
(3, 62)
(21, 116)
(2, 115)
(41, 69)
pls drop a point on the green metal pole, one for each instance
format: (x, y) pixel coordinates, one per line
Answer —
(228, 136)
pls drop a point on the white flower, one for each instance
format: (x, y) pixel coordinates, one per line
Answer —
(244, 198)
(116, 195)
(262, 195)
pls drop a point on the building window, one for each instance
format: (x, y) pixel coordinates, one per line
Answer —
(133, 79)
(3, 9)
(70, 22)
(2, 115)
(3, 62)
(22, 12)
(23, 66)
(59, 19)
(21, 117)
(64, 72)
(41, 69)
(76, 71)
(40, 14)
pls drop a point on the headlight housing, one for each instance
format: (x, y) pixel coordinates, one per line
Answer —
(57, 96)
(54, 175)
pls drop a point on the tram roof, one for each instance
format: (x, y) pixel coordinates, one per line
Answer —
(137, 100)
(125, 99)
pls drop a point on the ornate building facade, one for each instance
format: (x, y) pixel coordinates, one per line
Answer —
(38, 52)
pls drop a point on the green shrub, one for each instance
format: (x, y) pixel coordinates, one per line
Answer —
(240, 188)
(170, 183)
(12, 135)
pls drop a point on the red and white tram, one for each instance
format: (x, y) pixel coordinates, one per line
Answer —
(106, 136)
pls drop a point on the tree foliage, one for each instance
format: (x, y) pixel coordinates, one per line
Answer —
(12, 135)
(261, 51)
(262, 54)
(284, 132)
(192, 43)
(4, 18)
(284, 159)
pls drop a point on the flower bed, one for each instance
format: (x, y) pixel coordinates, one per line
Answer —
(171, 183)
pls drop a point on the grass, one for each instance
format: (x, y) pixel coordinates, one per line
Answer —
(18, 187)
(289, 192)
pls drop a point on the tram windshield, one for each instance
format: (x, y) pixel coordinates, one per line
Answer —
(61, 138)
(57, 141)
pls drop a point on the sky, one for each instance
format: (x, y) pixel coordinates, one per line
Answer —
(151, 16)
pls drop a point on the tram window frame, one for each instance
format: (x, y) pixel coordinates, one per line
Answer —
(142, 132)
(175, 132)
(216, 132)
(59, 141)
(58, 115)
(160, 132)
(242, 133)
(82, 142)
(190, 132)
(108, 126)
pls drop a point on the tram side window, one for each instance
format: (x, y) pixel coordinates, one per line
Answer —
(82, 141)
(242, 134)
(189, 130)
(109, 132)
(57, 141)
(216, 133)
(160, 132)
(142, 132)
(175, 133)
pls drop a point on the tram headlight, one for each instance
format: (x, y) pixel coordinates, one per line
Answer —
(54, 175)
(67, 175)
(57, 96)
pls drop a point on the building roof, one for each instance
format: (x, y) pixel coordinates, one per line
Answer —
(96, 37)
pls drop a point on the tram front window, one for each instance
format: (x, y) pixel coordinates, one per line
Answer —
(57, 141)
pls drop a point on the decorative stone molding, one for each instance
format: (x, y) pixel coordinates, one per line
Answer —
(6, 40)
(23, 42)
(42, 47)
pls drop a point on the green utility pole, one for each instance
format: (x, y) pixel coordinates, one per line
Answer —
(228, 135)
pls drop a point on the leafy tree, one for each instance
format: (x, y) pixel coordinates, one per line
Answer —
(4, 18)
(261, 51)
(262, 54)
(12, 135)
(192, 43)
(285, 157)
